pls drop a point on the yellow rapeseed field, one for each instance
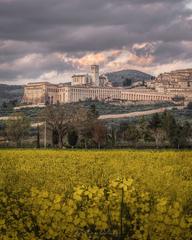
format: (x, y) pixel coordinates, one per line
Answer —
(112, 194)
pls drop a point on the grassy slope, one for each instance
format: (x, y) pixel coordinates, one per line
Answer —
(166, 173)
(102, 108)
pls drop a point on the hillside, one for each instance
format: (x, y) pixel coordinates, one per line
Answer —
(10, 92)
(127, 77)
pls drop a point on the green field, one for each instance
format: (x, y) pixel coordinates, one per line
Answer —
(65, 185)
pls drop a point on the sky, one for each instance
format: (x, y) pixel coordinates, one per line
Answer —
(49, 40)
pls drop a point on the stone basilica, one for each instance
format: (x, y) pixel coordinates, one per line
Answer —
(93, 86)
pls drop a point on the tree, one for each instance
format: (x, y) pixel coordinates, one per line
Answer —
(155, 121)
(178, 138)
(86, 125)
(85, 135)
(132, 134)
(143, 130)
(55, 138)
(93, 111)
(60, 117)
(177, 134)
(168, 122)
(72, 137)
(187, 131)
(172, 128)
(112, 136)
(38, 137)
(17, 128)
(99, 133)
(57, 118)
(122, 131)
(155, 125)
(181, 135)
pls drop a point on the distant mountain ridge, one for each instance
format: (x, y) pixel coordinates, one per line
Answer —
(10, 92)
(127, 77)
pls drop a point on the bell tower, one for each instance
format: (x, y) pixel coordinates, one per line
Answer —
(95, 75)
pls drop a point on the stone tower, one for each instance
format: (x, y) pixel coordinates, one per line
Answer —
(95, 74)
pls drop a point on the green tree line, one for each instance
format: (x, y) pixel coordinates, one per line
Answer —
(72, 126)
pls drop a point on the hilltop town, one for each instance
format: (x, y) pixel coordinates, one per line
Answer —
(166, 87)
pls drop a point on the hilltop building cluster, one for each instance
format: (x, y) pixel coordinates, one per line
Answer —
(93, 86)
(176, 82)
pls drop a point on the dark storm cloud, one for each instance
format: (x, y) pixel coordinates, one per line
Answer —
(167, 52)
(74, 27)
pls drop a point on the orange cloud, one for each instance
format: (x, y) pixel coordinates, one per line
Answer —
(89, 59)
(100, 58)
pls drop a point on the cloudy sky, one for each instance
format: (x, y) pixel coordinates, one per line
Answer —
(52, 39)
